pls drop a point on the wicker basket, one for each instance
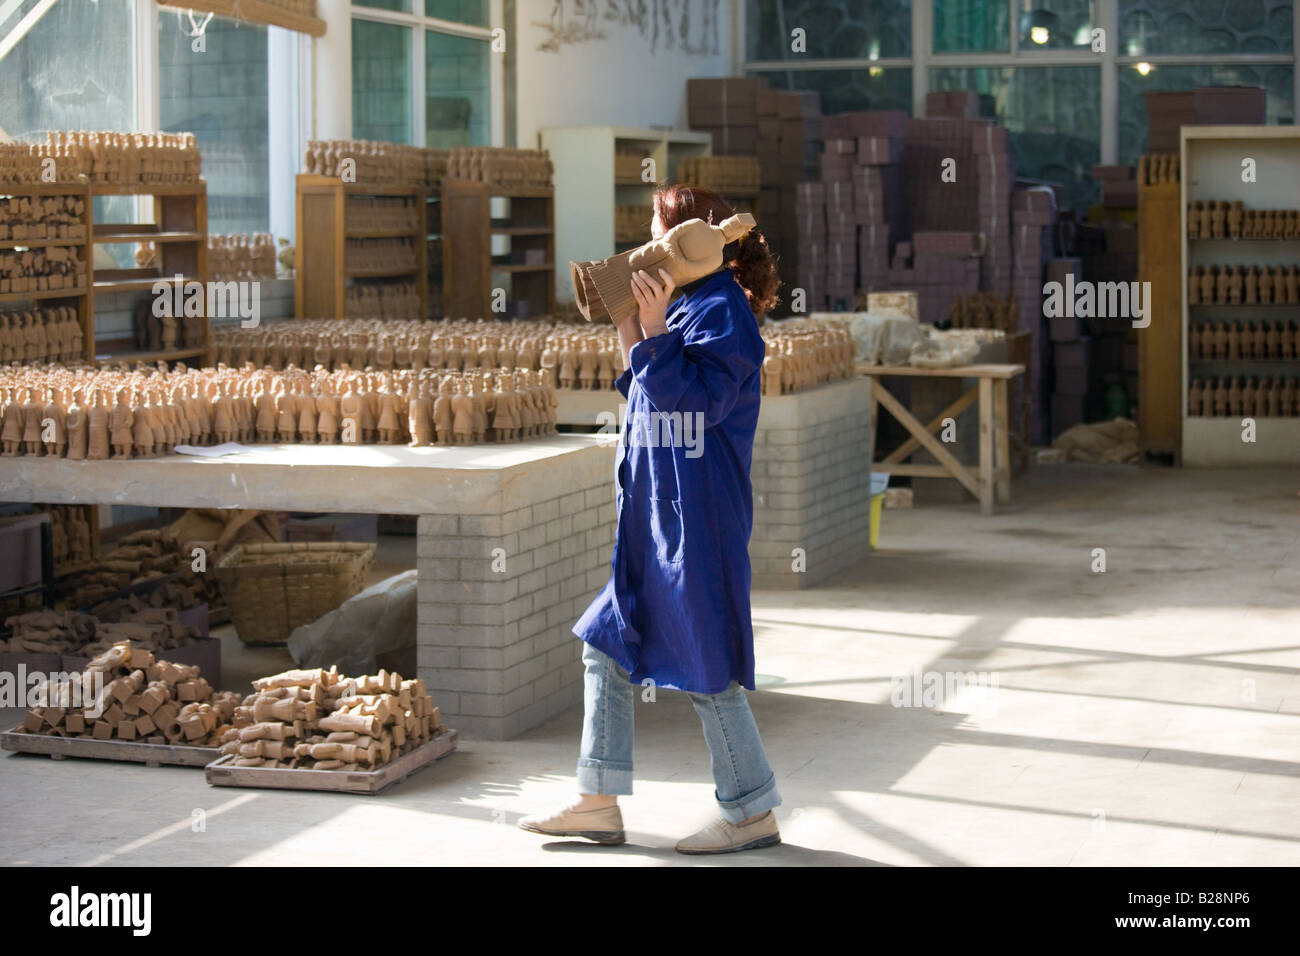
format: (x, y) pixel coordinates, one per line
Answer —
(273, 588)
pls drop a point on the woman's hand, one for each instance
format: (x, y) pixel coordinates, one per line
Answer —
(652, 301)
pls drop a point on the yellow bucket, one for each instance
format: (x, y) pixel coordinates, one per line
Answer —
(879, 482)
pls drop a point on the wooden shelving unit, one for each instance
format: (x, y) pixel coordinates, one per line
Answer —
(321, 274)
(1159, 345)
(468, 230)
(179, 233)
(1211, 160)
(588, 186)
(80, 298)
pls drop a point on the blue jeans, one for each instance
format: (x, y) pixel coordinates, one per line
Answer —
(744, 784)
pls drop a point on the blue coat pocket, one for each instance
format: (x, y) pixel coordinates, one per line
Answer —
(666, 530)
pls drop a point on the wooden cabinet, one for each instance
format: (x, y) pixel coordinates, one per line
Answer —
(1160, 371)
(327, 219)
(503, 266)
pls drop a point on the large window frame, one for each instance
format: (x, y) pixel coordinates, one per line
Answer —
(418, 25)
(1106, 12)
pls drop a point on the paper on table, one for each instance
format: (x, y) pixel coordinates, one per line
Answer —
(212, 451)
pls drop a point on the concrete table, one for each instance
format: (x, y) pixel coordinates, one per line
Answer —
(514, 541)
(990, 393)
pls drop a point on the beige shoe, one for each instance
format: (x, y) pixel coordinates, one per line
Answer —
(602, 826)
(725, 837)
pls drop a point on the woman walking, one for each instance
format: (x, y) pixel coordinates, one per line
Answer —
(676, 608)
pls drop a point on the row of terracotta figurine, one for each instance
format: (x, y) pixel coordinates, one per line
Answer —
(720, 173)
(83, 413)
(239, 257)
(1219, 219)
(1246, 285)
(1248, 397)
(803, 353)
(42, 270)
(375, 163)
(568, 356)
(103, 157)
(378, 255)
(41, 335)
(381, 213)
(1251, 340)
(391, 300)
(985, 310)
(42, 217)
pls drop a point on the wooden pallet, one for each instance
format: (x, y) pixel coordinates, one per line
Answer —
(220, 773)
(151, 755)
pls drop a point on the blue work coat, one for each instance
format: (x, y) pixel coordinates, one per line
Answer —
(676, 608)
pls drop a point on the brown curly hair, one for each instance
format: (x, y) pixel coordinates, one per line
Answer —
(754, 266)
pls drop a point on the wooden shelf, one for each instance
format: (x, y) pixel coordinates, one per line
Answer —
(467, 233)
(47, 294)
(40, 243)
(125, 232)
(149, 189)
(179, 227)
(521, 192)
(43, 189)
(321, 276)
(1210, 162)
(149, 357)
(412, 233)
(138, 284)
(520, 230)
(381, 273)
(1241, 239)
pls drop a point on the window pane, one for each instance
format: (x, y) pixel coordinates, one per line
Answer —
(1149, 27)
(381, 82)
(1055, 24)
(458, 110)
(1276, 80)
(401, 6)
(843, 90)
(473, 12)
(220, 95)
(832, 30)
(1051, 113)
(74, 70)
(964, 26)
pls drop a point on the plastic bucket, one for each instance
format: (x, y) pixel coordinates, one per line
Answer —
(879, 482)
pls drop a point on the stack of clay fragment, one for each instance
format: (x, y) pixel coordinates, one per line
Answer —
(125, 694)
(319, 720)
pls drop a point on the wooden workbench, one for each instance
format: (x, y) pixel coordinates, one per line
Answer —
(990, 394)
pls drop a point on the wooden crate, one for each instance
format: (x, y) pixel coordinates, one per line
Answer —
(220, 773)
(151, 755)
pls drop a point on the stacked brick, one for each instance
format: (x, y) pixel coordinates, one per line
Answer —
(939, 266)
(810, 235)
(877, 190)
(726, 108)
(1033, 216)
(995, 165)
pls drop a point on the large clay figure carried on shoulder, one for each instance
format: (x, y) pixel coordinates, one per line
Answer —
(688, 251)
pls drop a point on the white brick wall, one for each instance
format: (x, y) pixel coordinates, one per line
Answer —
(812, 483)
(495, 647)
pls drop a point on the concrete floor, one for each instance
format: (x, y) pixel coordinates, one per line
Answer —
(1147, 715)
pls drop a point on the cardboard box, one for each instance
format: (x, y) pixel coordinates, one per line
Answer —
(733, 139)
(879, 150)
(802, 104)
(722, 101)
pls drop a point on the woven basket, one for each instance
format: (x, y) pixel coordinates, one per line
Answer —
(273, 588)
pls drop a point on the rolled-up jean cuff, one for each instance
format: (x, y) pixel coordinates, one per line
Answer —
(605, 777)
(757, 801)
